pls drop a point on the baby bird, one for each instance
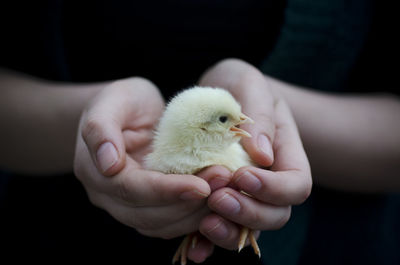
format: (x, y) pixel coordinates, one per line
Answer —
(199, 128)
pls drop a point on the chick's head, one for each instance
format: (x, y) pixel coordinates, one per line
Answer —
(205, 116)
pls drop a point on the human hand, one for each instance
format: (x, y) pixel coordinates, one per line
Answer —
(283, 176)
(114, 135)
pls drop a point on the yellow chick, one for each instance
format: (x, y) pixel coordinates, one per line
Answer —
(199, 128)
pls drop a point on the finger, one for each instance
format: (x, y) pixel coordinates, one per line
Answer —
(248, 85)
(289, 181)
(279, 188)
(289, 151)
(86, 171)
(247, 211)
(103, 137)
(222, 232)
(114, 110)
(216, 176)
(101, 128)
(140, 187)
(203, 249)
(258, 104)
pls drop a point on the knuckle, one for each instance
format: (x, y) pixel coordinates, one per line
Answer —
(145, 83)
(135, 83)
(89, 127)
(230, 62)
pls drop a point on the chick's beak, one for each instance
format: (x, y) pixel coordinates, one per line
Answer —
(238, 131)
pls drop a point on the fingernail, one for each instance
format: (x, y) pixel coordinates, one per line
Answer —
(106, 156)
(228, 205)
(217, 182)
(265, 145)
(248, 182)
(219, 231)
(192, 195)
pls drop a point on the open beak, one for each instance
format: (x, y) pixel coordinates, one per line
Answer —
(238, 131)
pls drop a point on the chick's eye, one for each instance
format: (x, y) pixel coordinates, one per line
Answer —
(223, 119)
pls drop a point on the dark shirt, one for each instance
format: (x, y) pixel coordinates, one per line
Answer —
(168, 42)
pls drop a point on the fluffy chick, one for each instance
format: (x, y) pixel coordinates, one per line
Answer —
(199, 128)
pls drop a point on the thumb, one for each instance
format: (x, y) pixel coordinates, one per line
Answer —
(101, 130)
(259, 146)
(258, 104)
(249, 86)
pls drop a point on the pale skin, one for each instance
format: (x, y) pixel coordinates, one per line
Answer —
(39, 120)
(180, 204)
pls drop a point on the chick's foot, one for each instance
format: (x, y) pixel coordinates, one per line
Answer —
(246, 233)
(181, 253)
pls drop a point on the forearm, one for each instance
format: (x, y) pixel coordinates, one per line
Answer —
(39, 120)
(352, 141)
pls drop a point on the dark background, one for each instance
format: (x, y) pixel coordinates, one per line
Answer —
(342, 46)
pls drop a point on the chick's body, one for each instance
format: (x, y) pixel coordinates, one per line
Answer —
(199, 128)
(191, 135)
(181, 159)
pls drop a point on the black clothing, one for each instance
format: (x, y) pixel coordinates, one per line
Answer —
(168, 42)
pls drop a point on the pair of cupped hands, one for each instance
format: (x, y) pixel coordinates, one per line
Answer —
(116, 131)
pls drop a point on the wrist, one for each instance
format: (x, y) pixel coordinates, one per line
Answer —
(40, 123)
